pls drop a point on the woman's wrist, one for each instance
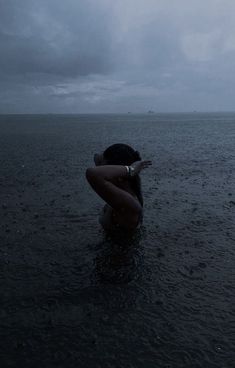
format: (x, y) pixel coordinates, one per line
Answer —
(130, 170)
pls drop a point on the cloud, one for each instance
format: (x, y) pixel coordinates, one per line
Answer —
(201, 46)
(55, 37)
(102, 55)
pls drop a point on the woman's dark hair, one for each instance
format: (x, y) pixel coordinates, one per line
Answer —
(123, 154)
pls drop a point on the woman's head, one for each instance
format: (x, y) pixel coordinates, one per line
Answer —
(117, 154)
(120, 154)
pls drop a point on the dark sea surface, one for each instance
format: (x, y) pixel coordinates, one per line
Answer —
(75, 296)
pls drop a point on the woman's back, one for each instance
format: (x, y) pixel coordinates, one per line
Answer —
(116, 180)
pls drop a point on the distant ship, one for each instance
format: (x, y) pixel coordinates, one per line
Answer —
(150, 112)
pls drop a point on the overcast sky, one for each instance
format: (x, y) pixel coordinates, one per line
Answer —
(84, 56)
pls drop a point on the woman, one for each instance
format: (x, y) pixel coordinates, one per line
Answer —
(116, 179)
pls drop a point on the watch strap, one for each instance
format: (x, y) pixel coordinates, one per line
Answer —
(132, 171)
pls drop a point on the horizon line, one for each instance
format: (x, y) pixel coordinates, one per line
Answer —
(118, 113)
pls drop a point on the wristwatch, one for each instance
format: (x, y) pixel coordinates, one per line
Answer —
(130, 170)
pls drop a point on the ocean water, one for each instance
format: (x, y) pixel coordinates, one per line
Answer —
(73, 295)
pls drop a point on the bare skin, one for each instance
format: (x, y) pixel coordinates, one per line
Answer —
(111, 183)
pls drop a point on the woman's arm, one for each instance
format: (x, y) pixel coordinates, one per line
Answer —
(102, 180)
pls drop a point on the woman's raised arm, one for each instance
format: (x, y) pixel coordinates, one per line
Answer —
(102, 179)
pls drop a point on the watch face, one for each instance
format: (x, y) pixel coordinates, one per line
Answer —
(132, 171)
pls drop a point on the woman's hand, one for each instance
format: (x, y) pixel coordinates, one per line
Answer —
(140, 165)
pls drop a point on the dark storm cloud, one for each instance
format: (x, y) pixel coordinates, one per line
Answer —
(54, 37)
(103, 55)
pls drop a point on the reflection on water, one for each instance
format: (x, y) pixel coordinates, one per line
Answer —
(120, 257)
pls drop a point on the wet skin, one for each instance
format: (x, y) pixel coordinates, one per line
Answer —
(121, 183)
(109, 215)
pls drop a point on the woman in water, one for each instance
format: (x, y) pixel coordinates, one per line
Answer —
(116, 180)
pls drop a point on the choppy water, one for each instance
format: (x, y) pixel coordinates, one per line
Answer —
(72, 295)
